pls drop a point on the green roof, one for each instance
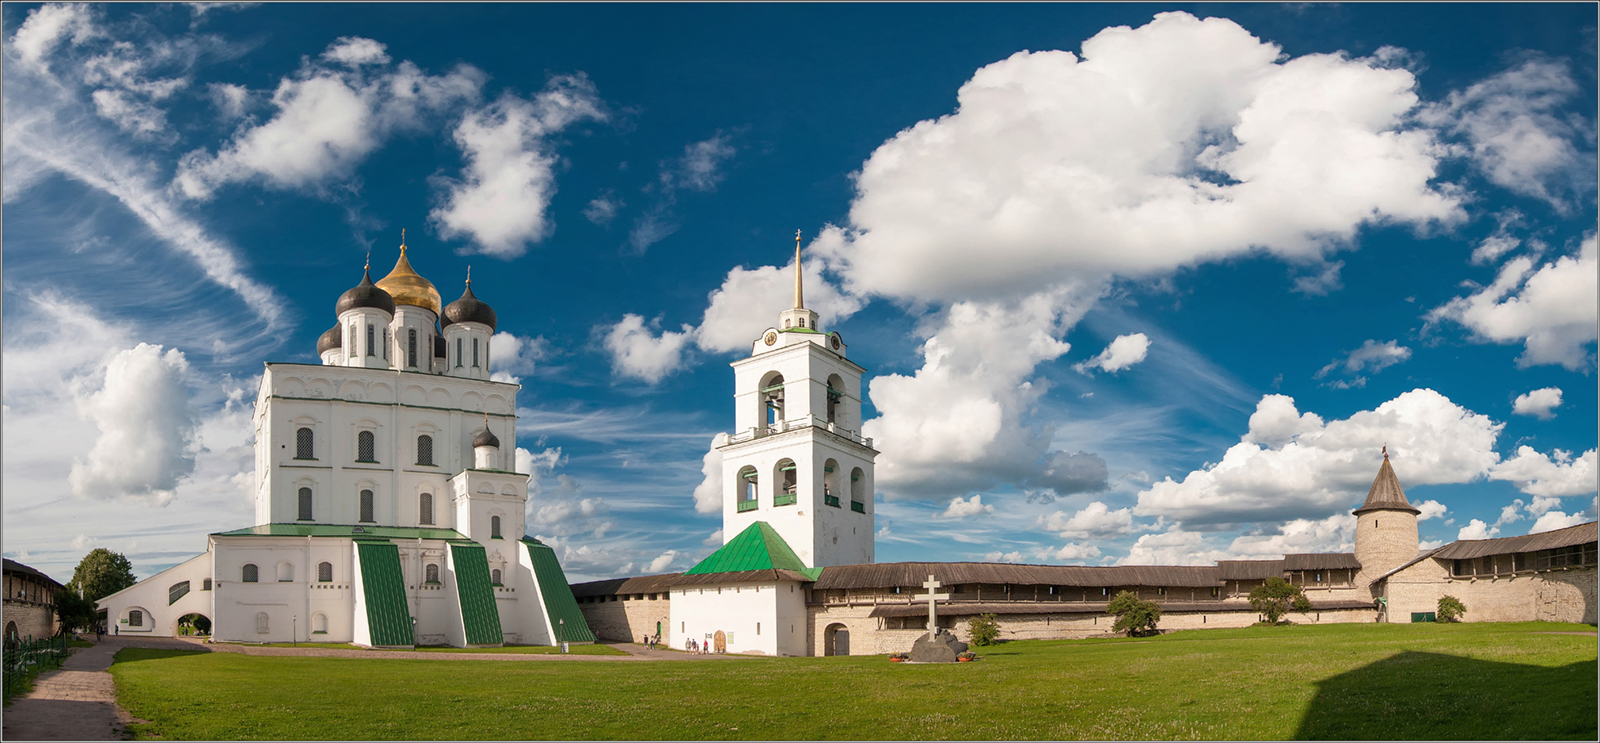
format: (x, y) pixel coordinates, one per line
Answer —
(344, 530)
(479, 615)
(566, 619)
(756, 548)
(383, 588)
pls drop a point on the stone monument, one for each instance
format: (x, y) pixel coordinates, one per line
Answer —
(937, 646)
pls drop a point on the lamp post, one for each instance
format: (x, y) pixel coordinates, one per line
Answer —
(562, 634)
(294, 630)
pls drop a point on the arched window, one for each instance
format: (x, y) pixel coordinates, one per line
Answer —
(830, 483)
(858, 491)
(494, 527)
(353, 351)
(460, 357)
(432, 573)
(285, 572)
(305, 504)
(251, 572)
(835, 396)
(425, 509)
(303, 440)
(261, 624)
(177, 591)
(366, 507)
(366, 447)
(474, 353)
(749, 495)
(135, 618)
(324, 572)
(319, 624)
(386, 343)
(785, 483)
(372, 348)
(425, 450)
(771, 397)
(494, 576)
(411, 347)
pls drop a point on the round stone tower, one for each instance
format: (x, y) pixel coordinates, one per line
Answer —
(1386, 526)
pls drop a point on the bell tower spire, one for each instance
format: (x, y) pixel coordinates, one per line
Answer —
(798, 317)
(799, 295)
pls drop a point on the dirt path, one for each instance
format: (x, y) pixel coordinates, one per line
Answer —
(75, 702)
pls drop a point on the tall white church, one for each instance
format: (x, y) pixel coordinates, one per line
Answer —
(388, 513)
(797, 489)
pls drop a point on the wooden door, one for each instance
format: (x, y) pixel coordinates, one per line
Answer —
(720, 643)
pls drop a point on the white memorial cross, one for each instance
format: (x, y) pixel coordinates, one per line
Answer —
(931, 597)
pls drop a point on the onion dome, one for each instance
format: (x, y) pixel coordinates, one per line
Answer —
(332, 339)
(407, 287)
(365, 294)
(469, 309)
(487, 438)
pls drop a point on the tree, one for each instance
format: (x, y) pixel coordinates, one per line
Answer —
(100, 574)
(75, 612)
(1450, 609)
(1135, 616)
(1276, 597)
(984, 630)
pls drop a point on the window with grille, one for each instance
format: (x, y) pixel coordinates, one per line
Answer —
(305, 504)
(325, 572)
(474, 352)
(303, 440)
(460, 357)
(135, 618)
(353, 350)
(366, 447)
(433, 573)
(386, 344)
(494, 527)
(177, 591)
(411, 347)
(494, 576)
(251, 573)
(425, 509)
(366, 506)
(372, 348)
(205, 585)
(425, 450)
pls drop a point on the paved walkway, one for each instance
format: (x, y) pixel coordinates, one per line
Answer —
(76, 702)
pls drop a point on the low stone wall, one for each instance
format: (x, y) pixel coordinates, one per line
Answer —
(1557, 595)
(630, 620)
(33, 619)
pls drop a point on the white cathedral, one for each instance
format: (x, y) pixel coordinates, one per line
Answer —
(387, 511)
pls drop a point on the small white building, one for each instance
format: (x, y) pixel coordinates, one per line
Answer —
(387, 511)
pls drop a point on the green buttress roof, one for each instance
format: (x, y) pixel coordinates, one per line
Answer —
(758, 547)
(566, 619)
(474, 587)
(344, 530)
(383, 587)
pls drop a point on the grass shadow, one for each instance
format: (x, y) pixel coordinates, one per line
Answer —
(134, 655)
(1431, 696)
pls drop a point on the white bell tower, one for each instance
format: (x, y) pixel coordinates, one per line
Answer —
(796, 459)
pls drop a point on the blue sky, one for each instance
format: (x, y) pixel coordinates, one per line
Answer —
(1134, 283)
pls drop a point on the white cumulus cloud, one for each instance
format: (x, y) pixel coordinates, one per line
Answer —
(1327, 468)
(1371, 357)
(146, 428)
(637, 352)
(513, 357)
(1550, 475)
(1120, 354)
(960, 508)
(1431, 509)
(1095, 520)
(1477, 529)
(1540, 403)
(500, 201)
(1557, 520)
(708, 494)
(1551, 310)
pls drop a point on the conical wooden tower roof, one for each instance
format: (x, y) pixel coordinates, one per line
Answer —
(1386, 493)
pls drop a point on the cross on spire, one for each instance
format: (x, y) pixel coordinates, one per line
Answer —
(931, 598)
(799, 299)
(402, 241)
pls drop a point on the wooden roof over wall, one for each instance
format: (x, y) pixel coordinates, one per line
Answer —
(1470, 548)
(912, 574)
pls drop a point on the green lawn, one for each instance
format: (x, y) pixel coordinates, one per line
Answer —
(1423, 681)
(509, 649)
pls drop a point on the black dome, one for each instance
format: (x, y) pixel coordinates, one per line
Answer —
(486, 438)
(468, 309)
(330, 340)
(365, 294)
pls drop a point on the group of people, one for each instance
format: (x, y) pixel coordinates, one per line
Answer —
(697, 647)
(651, 641)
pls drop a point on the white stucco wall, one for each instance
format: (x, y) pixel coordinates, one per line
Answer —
(763, 618)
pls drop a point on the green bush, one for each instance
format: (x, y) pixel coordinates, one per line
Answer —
(1135, 616)
(984, 630)
(1450, 609)
(1276, 597)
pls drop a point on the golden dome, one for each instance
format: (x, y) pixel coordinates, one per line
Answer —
(407, 287)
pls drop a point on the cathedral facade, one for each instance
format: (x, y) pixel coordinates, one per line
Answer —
(388, 511)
